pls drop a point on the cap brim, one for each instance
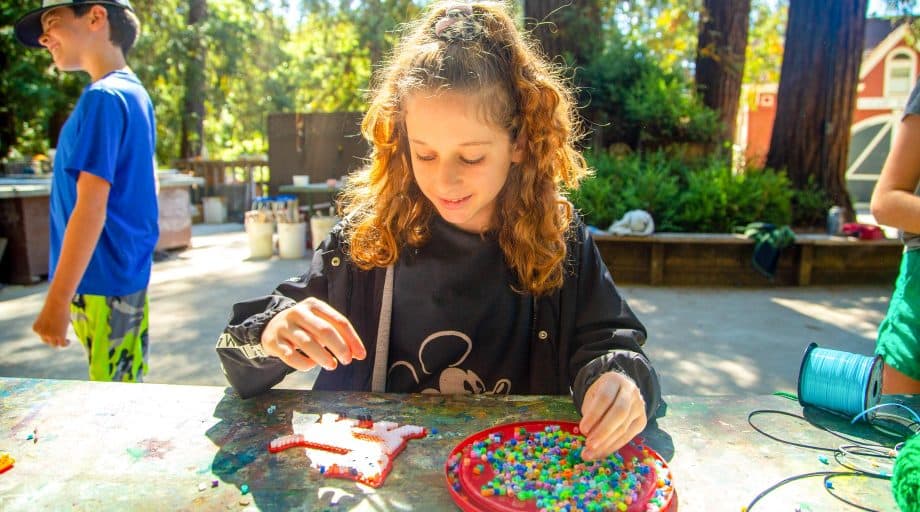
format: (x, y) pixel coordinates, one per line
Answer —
(29, 28)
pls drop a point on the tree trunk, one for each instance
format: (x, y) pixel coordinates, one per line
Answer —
(543, 29)
(374, 33)
(817, 94)
(193, 103)
(7, 120)
(721, 45)
(569, 32)
(56, 124)
(565, 28)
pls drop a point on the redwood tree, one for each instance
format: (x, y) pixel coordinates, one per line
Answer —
(570, 33)
(565, 28)
(817, 94)
(721, 46)
(193, 103)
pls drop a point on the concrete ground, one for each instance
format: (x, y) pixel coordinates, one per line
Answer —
(703, 341)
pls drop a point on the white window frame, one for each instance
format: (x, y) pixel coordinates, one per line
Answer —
(892, 62)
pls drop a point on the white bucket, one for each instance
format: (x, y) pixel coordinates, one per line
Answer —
(320, 226)
(292, 240)
(214, 210)
(260, 234)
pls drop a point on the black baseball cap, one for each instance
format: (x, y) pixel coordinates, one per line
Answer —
(29, 27)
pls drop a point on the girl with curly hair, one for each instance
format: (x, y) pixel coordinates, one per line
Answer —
(459, 266)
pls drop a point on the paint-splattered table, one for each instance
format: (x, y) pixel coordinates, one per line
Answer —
(97, 446)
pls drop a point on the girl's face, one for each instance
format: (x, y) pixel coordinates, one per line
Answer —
(459, 159)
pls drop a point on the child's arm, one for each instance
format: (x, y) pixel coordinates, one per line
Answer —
(270, 337)
(247, 367)
(312, 333)
(80, 237)
(252, 348)
(614, 385)
(894, 202)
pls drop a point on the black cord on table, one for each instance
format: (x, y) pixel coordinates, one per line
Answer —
(793, 443)
(869, 450)
(830, 489)
(826, 474)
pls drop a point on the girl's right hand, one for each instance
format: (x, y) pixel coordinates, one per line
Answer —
(312, 333)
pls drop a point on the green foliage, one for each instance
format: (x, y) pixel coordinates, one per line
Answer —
(764, 54)
(157, 59)
(597, 200)
(258, 61)
(632, 100)
(245, 72)
(634, 89)
(810, 205)
(717, 199)
(666, 112)
(667, 28)
(34, 95)
(623, 183)
(701, 195)
(330, 65)
(634, 86)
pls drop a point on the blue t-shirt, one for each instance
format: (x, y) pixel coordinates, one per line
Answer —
(111, 134)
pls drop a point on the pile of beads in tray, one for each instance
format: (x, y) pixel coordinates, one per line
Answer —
(545, 467)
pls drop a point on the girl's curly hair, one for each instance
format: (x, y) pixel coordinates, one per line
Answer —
(473, 48)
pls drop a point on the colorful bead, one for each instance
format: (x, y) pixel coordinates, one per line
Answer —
(545, 466)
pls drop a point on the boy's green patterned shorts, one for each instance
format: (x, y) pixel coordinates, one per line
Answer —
(114, 332)
(899, 333)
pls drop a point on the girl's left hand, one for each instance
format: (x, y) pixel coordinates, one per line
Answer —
(613, 412)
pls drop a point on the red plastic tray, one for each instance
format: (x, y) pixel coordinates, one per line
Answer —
(469, 498)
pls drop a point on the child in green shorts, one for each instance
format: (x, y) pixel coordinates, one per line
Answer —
(103, 201)
(895, 203)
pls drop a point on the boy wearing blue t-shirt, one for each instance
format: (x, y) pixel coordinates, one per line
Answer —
(103, 191)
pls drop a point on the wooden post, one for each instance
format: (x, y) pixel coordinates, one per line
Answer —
(807, 258)
(656, 264)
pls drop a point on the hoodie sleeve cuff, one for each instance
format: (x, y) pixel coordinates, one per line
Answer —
(626, 362)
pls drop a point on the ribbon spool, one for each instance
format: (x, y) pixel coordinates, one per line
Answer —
(840, 382)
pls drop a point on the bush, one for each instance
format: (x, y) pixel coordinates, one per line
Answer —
(717, 200)
(810, 205)
(702, 196)
(630, 99)
(627, 183)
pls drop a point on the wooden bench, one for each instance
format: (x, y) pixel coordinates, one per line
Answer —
(724, 259)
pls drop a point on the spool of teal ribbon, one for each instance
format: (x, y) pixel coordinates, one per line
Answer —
(838, 381)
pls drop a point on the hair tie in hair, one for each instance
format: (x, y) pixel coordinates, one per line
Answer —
(457, 24)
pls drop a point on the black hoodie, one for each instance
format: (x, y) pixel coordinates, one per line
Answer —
(581, 330)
